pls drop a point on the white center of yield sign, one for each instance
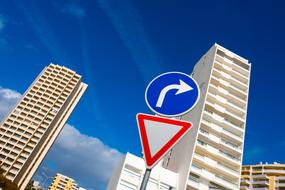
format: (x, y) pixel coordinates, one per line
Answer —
(159, 134)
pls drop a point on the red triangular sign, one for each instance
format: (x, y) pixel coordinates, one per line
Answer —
(158, 135)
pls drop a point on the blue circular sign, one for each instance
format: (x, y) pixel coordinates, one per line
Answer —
(172, 94)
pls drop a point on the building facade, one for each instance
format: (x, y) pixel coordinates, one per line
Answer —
(30, 129)
(130, 171)
(263, 177)
(210, 155)
(62, 182)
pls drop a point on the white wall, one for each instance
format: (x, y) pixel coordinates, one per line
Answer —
(181, 157)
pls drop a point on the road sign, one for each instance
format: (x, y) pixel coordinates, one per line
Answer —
(172, 94)
(158, 135)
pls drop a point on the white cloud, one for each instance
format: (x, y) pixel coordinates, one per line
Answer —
(84, 158)
(2, 22)
(8, 98)
(74, 10)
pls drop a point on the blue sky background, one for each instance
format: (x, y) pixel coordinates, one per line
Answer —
(119, 46)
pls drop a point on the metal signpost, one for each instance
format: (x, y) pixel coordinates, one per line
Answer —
(168, 95)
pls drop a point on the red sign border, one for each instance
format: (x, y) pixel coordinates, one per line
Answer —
(152, 161)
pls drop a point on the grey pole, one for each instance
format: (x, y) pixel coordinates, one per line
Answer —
(145, 179)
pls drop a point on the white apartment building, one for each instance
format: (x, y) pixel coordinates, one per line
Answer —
(30, 129)
(130, 171)
(210, 155)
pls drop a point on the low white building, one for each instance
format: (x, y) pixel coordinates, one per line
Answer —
(129, 174)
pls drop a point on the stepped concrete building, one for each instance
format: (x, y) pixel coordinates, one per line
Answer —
(30, 129)
(263, 177)
(210, 155)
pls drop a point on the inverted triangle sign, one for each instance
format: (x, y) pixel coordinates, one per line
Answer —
(158, 135)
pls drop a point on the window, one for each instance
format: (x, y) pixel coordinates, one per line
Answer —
(194, 177)
(131, 174)
(152, 185)
(54, 110)
(165, 187)
(16, 111)
(24, 139)
(123, 186)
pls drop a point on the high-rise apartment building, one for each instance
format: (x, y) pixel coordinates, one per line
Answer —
(263, 177)
(62, 182)
(210, 155)
(30, 129)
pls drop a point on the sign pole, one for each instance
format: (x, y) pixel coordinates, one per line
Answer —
(162, 133)
(145, 179)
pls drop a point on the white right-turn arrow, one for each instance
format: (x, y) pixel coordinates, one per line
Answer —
(182, 87)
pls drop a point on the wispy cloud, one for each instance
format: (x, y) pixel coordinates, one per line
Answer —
(8, 98)
(3, 44)
(85, 158)
(74, 10)
(254, 153)
(2, 22)
(31, 47)
(128, 23)
(44, 31)
(3, 41)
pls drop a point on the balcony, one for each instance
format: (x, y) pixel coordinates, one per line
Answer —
(225, 106)
(229, 97)
(272, 171)
(215, 165)
(245, 181)
(220, 180)
(235, 134)
(193, 182)
(225, 182)
(225, 68)
(224, 113)
(217, 153)
(260, 183)
(280, 178)
(228, 85)
(260, 176)
(202, 172)
(131, 176)
(242, 96)
(234, 66)
(229, 156)
(232, 135)
(280, 184)
(223, 132)
(219, 143)
(243, 187)
(221, 123)
(217, 99)
(228, 78)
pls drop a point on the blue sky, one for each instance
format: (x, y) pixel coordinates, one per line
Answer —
(119, 46)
